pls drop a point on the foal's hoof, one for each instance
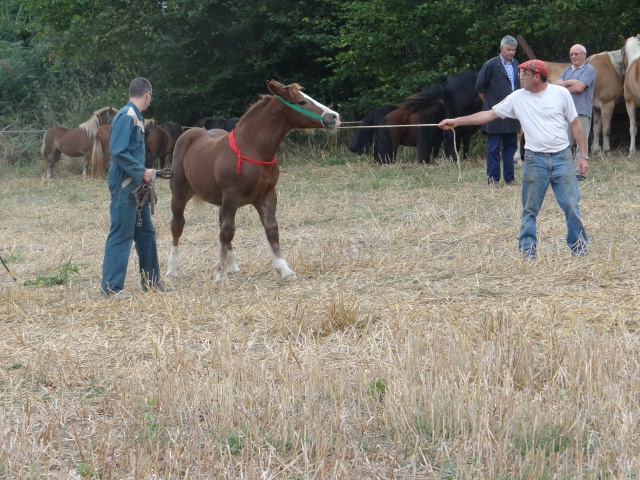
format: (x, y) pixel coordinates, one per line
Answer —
(288, 276)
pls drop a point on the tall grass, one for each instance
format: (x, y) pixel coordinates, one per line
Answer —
(415, 343)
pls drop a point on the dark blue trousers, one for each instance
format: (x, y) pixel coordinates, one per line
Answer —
(509, 144)
(122, 234)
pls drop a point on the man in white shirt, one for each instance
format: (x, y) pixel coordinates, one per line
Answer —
(545, 112)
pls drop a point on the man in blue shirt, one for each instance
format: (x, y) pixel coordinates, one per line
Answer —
(498, 77)
(580, 80)
(126, 173)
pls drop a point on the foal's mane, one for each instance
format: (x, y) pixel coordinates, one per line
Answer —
(91, 125)
(265, 97)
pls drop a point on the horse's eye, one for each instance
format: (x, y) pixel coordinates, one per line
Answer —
(302, 102)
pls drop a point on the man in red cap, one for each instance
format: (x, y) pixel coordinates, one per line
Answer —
(545, 113)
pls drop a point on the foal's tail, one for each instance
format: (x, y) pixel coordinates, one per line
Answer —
(98, 157)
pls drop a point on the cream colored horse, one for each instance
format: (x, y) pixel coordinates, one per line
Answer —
(609, 67)
(632, 86)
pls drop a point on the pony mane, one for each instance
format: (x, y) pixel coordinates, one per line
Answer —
(632, 49)
(617, 59)
(91, 125)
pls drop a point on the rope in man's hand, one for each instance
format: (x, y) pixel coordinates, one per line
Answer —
(145, 193)
(455, 149)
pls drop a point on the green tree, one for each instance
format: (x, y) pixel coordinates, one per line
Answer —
(212, 57)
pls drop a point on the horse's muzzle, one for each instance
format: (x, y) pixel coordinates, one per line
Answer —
(330, 120)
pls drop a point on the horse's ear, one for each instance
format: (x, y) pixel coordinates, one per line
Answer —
(623, 40)
(275, 87)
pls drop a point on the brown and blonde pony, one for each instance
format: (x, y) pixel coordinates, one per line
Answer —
(159, 143)
(74, 142)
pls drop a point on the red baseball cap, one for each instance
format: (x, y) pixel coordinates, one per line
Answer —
(535, 66)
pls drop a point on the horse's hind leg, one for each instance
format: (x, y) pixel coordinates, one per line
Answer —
(51, 158)
(267, 211)
(178, 203)
(597, 130)
(606, 114)
(633, 128)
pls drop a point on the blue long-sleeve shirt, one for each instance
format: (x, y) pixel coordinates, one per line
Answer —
(126, 148)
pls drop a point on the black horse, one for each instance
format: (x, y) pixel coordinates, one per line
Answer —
(456, 95)
(460, 98)
(209, 123)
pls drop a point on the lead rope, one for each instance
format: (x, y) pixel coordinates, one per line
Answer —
(145, 194)
(453, 130)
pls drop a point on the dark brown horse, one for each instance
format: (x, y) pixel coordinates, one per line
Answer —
(421, 108)
(159, 143)
(74, 142)
(239, 168)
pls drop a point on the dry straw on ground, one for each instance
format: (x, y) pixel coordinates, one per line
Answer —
(415, 343)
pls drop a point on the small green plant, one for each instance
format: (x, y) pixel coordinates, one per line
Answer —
(235, 441)
(87, 471)
(422, 426)
(61, 277)
(149, 422)
(378, 387)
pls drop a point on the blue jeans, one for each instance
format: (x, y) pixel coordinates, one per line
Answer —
(509, 143)
(122, 234)
(540, 170)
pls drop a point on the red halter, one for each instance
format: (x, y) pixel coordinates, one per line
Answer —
(232, 143)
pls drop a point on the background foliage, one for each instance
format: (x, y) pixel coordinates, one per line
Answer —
(62, 59)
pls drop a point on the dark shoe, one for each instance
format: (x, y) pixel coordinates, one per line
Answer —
(492, 182)
(512, 183)
(158, 287)
(116, 295)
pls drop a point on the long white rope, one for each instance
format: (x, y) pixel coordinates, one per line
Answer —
(455, 149)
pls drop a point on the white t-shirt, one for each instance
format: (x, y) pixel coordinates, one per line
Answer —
(544, 116)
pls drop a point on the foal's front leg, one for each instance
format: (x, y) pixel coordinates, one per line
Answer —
(227, 257)
(267, 212)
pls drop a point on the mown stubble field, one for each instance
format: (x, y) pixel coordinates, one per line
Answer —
(415, 342)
